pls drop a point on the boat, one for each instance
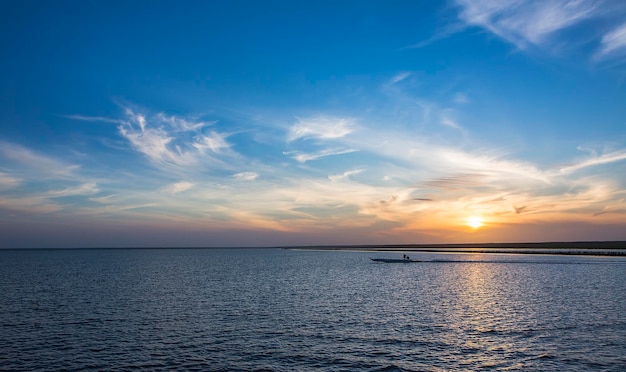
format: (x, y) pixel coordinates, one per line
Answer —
(394, 260)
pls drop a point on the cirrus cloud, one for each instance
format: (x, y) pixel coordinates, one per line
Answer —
(322, 127)
(178, 187)
(245, 176)
(550, 25)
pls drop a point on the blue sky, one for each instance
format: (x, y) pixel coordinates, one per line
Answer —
(245, 123)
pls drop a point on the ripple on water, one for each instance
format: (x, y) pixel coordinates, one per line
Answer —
(302, 310)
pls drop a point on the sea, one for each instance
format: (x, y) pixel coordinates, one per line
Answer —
(308, 310)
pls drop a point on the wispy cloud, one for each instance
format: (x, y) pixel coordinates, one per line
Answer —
(322, 127)
(46, 180)
(613, 43)
(324, 130)
(492, 164)
(447, 121)
(595, 160)
(344, 175)
(93, 118)
(152, 142)
(178, 187)
(552, 26)
(441, 34)
(104, 199)
(526, 23)
(8, 181)
(304, 157)
(420, 155)
(460, 98)
(400, 77)
(84, 189)
(182, 124)
(29, 204)
(46, 165)
(46, 201)
(169, 140)
(245, 176)
(213, 142)
(456, 182)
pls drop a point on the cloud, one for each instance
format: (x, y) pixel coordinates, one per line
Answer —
(104, 199)
(456, 182)
(344, 175)
(596, 160)
(460, 98)
(8, 182)
(169, 140)
(304, 157)
(214, 142)
(245, 176)
(520, 210)
(152, 142)
(322, 127)
(84, 189)
(613, 42)
(30, 204)
(182, 124)
(448, 122)
(492, 165)
(34, 161)
(178, 187)
(93, 119)
(526, 23)
(551, 25)
(399, 77)
(443, 33)
(418, 155)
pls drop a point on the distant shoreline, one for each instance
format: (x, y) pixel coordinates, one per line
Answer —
(596, 248)
(588, 248)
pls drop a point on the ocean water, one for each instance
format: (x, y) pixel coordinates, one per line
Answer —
(288, 310)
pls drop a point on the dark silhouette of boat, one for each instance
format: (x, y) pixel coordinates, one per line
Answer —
(394, 260)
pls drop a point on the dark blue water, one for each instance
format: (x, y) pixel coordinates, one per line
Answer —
(308, 310)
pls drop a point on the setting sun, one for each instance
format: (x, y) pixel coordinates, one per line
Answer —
(474, 222)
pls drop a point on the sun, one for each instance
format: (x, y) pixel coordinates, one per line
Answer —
(474, 222)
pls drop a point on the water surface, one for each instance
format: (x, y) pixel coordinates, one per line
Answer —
(272, 309)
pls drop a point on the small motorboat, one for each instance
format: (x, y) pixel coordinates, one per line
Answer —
(394, 260)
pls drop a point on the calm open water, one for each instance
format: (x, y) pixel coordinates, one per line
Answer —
(271, 309)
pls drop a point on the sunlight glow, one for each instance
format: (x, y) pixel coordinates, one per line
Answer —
(475, 222)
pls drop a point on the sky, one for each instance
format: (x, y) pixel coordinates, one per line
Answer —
(275, 123)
